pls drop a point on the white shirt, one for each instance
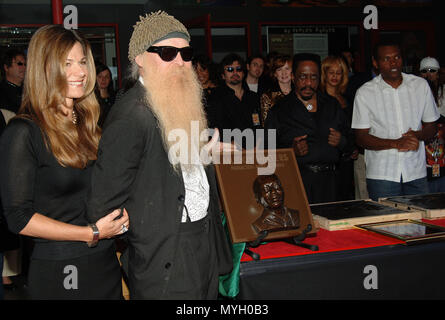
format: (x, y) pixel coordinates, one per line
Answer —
(197, 193)
(8, 115)
(253, 87)
(389, 113)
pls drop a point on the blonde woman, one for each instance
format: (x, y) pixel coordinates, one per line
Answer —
(334, 81)
(46, 157)
(334, 78)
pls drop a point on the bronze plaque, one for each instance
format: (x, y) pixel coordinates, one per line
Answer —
(247, 212)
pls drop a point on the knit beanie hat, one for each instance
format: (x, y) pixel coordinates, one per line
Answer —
(153, 28)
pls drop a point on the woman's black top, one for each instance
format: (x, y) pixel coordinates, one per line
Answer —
(32, 181)
(8, 240)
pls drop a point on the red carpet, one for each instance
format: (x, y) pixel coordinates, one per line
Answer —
(329, 241)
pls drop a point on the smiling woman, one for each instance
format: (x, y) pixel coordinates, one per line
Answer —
(50, 88)
(76, 72)
(282, 84)
(46, 157)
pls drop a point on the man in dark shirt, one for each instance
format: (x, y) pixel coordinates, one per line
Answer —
(13, 69)
(233, 105)
(314, 124)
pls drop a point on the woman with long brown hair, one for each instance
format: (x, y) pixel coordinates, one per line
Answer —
(104, 90)
(46, 157)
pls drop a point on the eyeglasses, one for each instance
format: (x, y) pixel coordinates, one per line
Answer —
(168, 53)
(231, 69)
(428, 70)
(20, 63)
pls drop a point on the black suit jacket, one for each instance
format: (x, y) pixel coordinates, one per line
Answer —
(133, 171)
(226, 111)
(291, 119)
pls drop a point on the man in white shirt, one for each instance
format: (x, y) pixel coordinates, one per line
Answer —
(393, 114)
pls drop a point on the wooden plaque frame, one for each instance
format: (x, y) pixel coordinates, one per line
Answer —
(238, 199)
(350, 222)
(410, 231)
(404, 202)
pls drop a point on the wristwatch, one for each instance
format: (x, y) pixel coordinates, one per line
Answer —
(93, 243)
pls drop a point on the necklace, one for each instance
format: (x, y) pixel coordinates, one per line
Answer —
(74, 116)
(309, 106)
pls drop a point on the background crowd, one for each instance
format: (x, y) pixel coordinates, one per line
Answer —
(244, 94)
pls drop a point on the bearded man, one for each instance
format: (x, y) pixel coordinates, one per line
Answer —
(177, 247)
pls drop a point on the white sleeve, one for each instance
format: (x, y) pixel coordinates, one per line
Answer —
(360, 114)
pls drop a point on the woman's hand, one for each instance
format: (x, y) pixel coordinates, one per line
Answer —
(109, 227)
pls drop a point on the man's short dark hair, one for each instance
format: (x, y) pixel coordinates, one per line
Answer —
(229, 59)
(207, 64)
(300, 57)
(203, 60)
(9, 56)
(384, 43)
(259, 181)
(253, 57)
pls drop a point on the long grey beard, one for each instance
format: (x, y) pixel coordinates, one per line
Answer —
(176, 101)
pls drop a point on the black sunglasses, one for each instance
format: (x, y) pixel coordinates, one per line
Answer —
(231, 69)
(428, 70)
(168, 53)
(20, 63)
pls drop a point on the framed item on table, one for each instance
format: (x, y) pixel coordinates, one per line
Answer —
(410, 231)
(256, 200)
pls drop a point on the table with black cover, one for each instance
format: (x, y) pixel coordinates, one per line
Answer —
(398, 271)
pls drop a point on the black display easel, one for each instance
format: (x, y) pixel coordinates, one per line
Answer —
(253, 244)
(298, 241)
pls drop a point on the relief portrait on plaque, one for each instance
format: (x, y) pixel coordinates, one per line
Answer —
(273, 204)
(276, 216)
